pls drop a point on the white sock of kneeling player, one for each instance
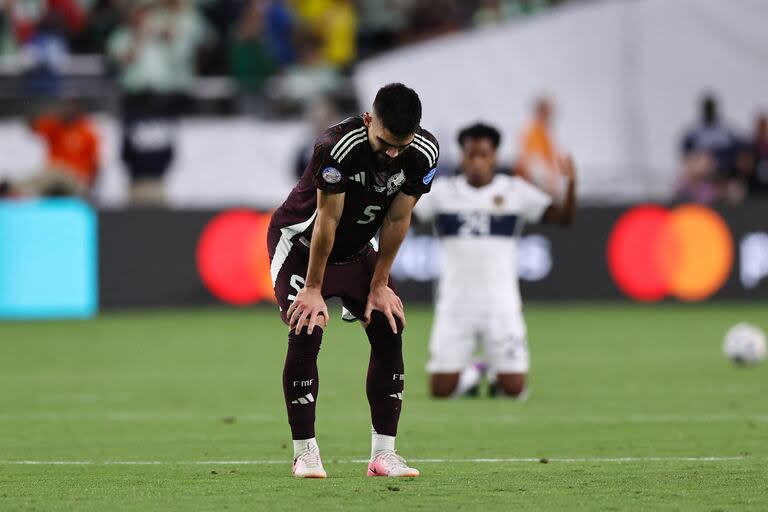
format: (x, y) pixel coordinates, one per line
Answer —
(381, 443)
(468, 378)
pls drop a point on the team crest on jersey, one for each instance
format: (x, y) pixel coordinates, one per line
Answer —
(498, 201)
(394, 183)
(331, 175)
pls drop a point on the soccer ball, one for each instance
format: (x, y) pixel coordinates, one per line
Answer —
(744, 344)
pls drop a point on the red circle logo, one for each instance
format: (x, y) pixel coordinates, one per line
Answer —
(232, 257)
(686, 252)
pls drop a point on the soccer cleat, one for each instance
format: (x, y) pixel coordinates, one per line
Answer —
(347, 315)
(390, 464)
(309, 465)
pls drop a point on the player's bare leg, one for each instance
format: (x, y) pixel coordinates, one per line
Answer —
(301, 386)
(443, 385)
(384, 387)
(510, 385)
(455, 384)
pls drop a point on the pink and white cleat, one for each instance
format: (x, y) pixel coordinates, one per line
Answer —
(309, 465)
(390, 464)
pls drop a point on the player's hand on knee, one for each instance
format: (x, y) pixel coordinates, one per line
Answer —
(307, 309)
(384, 299)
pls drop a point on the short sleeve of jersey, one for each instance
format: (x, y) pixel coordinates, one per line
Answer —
(533, 202)
(328, 174)
(426, 153)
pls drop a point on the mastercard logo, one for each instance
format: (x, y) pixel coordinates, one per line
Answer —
(686, 252)
(232, 257)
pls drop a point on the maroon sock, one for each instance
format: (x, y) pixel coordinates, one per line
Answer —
(385, 382)
(300, 381)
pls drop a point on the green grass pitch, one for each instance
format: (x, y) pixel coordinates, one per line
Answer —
(183, 410)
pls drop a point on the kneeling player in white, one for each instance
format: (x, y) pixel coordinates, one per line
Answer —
(478, 216)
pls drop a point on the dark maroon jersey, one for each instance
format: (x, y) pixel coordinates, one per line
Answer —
(343, 161)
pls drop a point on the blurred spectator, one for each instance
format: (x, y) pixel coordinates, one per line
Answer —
(26, 15)
(150, 128)
(222, 17)
(751, 165)
(156, 53)
(7, 36)
(310, 11)
(698, 181)
(104, 17)
(709, 151)
(432, 18)
(45, 54)
(250, 58)
(758, 183)
(279, 31)
(156, 50)
(334, 22)
(322, 113)
(310, 78)
(539, 153)
(5, 189)
(73, 153)
(339, 30)
(381, 22)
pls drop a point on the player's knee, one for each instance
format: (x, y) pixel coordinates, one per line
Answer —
(441, 391)
(512, 386)
(304, 344)
(441, 386)
(379, 328)
(513, 391)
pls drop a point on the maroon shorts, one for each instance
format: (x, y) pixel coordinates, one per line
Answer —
(349, 281)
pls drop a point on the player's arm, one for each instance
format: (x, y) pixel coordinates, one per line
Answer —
(565, 212)
(394, 227)
(309, 303)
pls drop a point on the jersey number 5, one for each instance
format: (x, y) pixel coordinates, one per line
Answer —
(370, 212)
(297, 283)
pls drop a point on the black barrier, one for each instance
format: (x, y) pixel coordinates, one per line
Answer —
(147, 258)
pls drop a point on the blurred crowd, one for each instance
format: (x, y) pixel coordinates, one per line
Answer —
(279, 57)
(721, 165)
(293, 50)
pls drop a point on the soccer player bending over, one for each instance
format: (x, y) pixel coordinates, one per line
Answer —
(365, 176)
(478, 216)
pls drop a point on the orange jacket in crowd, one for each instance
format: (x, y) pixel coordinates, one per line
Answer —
(73, 146)
(537, 144)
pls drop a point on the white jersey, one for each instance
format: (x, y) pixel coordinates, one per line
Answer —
(478, 230)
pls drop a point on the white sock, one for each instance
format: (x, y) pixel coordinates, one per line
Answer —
(468, 379)
(304, 445)
(381, 443)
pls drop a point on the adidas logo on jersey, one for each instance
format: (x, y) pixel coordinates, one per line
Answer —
(359, 178)
(399, 396)
(304, 400)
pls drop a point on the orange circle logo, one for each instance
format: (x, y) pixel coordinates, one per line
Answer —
(685, 253)
(232, 257)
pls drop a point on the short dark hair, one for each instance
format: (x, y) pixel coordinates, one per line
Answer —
(399, 109)
(480, 131)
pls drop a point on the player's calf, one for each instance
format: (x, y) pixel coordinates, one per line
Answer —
(386, 375)
(301, 382)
